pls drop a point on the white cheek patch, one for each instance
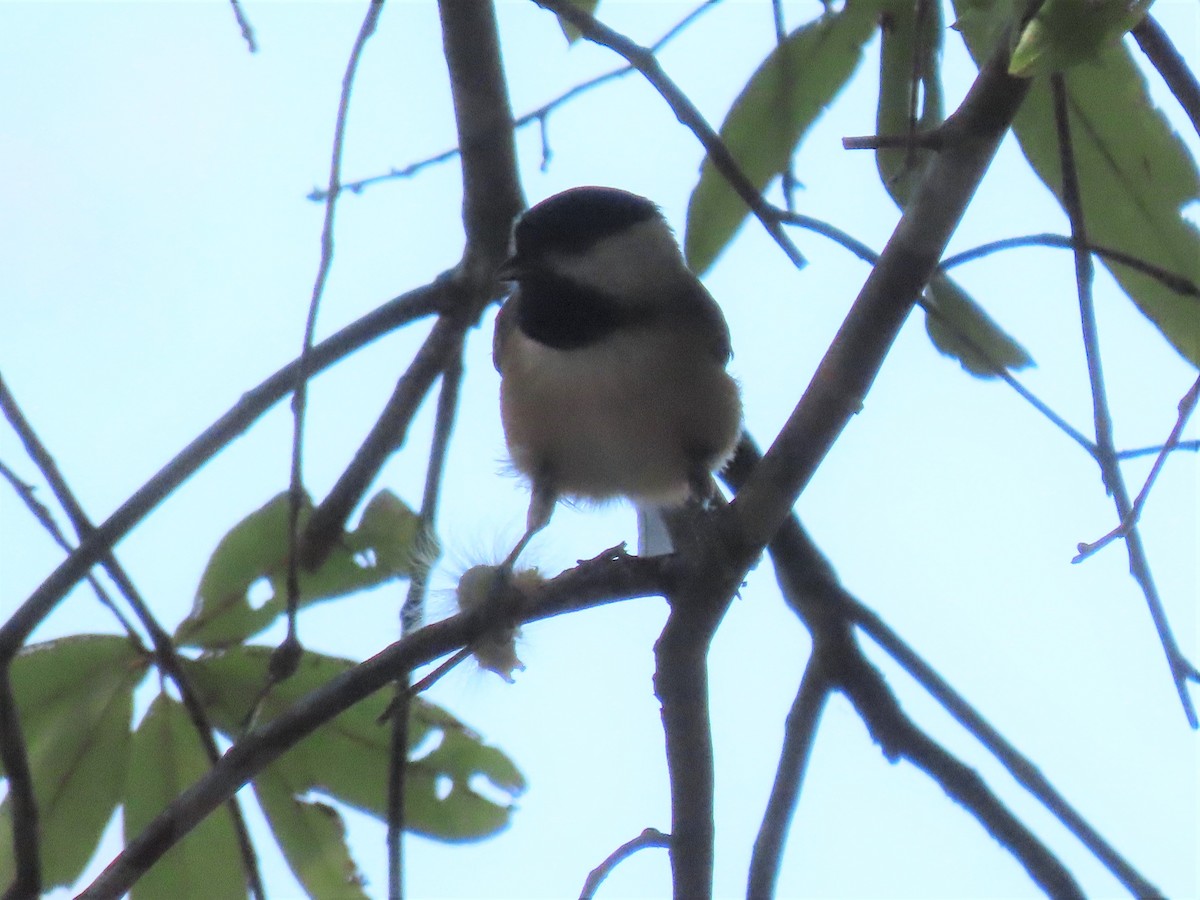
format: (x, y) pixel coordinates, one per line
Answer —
(628, 265)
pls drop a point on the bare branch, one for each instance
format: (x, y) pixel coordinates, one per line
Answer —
(1018, 765)
(1177, 283)
(799, 735)
(1186, 406)
(643, 59)
(415, 304)
(910, 258)
(287, 655)
(244, 26)
(165, 655)
(540, 115)
(650, 837)
(46, 520)
(612, 576)
(1182, 670)
(1154, 41)
(811, 588)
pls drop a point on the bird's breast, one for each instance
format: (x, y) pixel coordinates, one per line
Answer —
(632, 415)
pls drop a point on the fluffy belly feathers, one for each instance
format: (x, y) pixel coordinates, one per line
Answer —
(619, 418)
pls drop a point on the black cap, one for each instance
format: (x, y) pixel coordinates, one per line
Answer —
(574, 220)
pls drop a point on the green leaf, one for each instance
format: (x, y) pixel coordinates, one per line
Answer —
(1065, 33)
(313, 839)
(570, 31)
(347, 758)
(960, 328)
(905, 39)
(770, 118)
(957, 325)
(167, 758)
(75, 700)
(256, 551)
(1135, 177)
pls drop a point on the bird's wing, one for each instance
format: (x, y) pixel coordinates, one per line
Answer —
(704, 316)
(506, 321)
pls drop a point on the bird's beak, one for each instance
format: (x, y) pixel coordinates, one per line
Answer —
(511, 269)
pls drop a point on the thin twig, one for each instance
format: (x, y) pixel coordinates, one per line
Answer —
(611, 577)
(411, 614)
(865, 253)
(1156, 44)
(46, 520)
(1186, 406)
(165, 654)
(413, 305)
(799, 735)
(538, 116)
(244, 26)
(287, 655)
(1181, 669)
(1177, 283)
(650, 837)
(1192, 446)
(845, 374)
(643, 59)
(929, 140)
(1017, 764)
(328, 521)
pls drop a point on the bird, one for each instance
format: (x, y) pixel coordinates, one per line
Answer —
(612, 358)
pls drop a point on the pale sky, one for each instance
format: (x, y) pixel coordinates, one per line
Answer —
(158, 255)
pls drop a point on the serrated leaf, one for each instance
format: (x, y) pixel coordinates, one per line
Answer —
(312, 836)
(1065, 33)
(770, 118)
(1135, 177)
(347, 758)
(166, 758)
(572, 33)
(256, 551)
(75, 701)
(960, 328)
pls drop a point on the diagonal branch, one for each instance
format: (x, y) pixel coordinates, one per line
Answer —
(1182, 671)
(800, 732)
(1154, 41)
(164, 648)
(613, 576)
(415, 304)
(643, 59)
(1018, 765)
(909, 259)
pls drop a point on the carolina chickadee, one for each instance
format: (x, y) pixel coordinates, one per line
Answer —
(612, 359)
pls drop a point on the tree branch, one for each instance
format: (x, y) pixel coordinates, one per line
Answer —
(643, 59)
(1017, 764)
(612, 576)
(415, 304)
(1156, 44)
(910, 258)
(1182, 671)
(650, 837)
(800, 732)
(164, 648)
(287, 654)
